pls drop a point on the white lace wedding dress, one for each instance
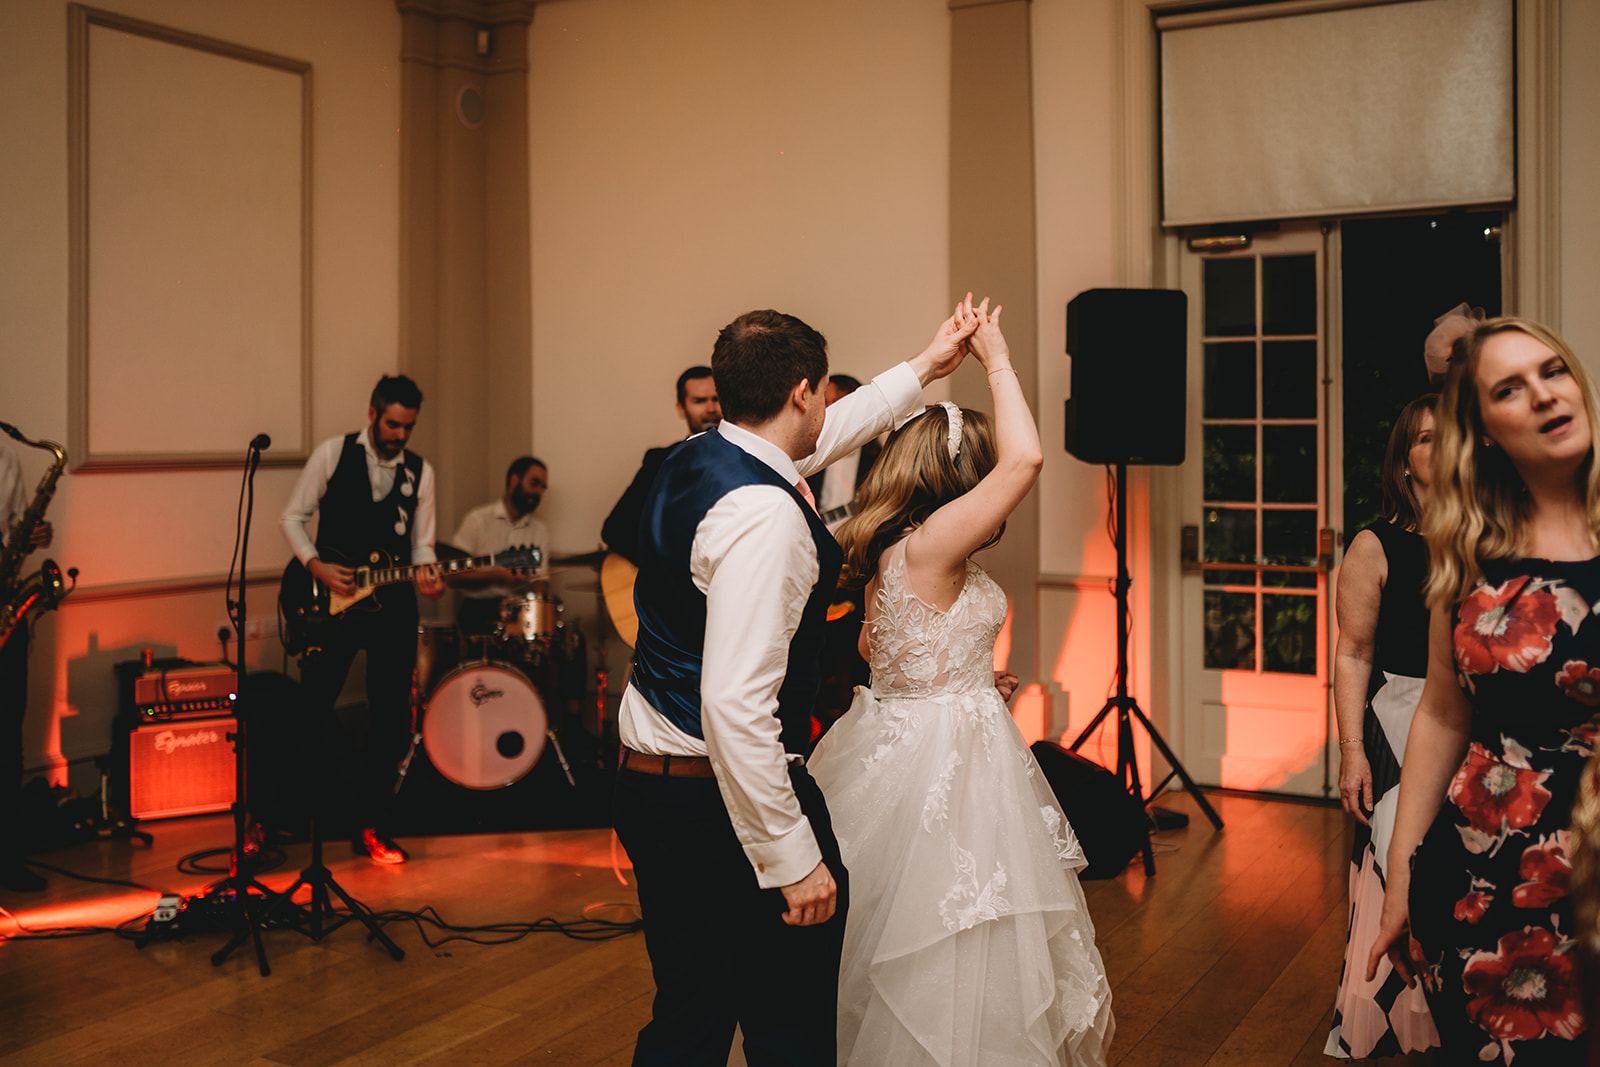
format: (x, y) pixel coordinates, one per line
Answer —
(968, 939)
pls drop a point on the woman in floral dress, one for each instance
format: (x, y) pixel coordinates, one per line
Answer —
(1477, 903)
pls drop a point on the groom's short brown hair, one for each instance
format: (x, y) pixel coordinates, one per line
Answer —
(759, 358)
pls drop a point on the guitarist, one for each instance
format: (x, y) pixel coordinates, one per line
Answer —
(834, 486)
(700, 410)
(371, 494)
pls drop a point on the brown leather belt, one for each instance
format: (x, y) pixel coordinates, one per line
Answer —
(669, 766)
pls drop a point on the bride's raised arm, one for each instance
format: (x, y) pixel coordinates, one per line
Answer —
(937, 551)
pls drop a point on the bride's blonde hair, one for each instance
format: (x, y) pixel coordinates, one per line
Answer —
(913, 478)
(1478, 506)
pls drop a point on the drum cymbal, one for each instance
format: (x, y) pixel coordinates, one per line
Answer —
(586, 587)
(591, 560)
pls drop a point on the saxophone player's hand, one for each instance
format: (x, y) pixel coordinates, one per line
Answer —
(42, 534)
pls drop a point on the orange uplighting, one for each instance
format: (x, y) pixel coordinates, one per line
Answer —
(102, 911)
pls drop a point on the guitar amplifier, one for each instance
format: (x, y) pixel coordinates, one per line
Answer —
(185, 692)
(180, 768)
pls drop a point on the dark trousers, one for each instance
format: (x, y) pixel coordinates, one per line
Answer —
(13, 704)
(719, 949)
(389, 638)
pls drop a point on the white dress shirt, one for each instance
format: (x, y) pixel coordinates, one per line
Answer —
(12, 501)
(754, 559)
(313, 483)
(490, 529)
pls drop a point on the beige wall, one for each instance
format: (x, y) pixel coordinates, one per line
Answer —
(164, 528)
(695, 159)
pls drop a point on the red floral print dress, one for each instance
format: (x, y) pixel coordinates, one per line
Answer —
(1490, 909)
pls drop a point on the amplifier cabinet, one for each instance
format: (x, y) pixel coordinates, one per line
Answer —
(180, 768)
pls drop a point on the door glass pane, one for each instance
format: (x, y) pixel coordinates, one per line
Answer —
(1289, 537)
(1289, 633)
(1230, 630)
(1230, 297)
(1289, 464)
(1288, 580)
(1230, 453)
(1230, 536)
(1231, 380)
(1288, 379)
(1288, 294)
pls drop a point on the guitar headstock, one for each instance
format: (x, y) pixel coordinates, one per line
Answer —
(527, 558)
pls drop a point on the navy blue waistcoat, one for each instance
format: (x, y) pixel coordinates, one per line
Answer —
(672, 611)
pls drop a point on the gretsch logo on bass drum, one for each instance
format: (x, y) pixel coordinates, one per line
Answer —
(167, 742)
(480, 694)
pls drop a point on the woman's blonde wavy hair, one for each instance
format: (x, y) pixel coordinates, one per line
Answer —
(1478, 505)
(914, 477)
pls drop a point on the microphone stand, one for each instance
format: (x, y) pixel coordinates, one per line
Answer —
(233, 895)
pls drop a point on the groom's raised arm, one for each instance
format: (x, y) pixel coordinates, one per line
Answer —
(892, 397)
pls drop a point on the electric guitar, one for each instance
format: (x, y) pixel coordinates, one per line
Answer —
(618, 574)
(308, 607)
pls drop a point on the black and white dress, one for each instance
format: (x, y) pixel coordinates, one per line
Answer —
(1383, 1017)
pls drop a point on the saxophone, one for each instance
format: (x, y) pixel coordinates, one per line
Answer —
(43, 589)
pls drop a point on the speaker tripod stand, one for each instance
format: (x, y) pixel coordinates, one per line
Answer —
(1127, 708)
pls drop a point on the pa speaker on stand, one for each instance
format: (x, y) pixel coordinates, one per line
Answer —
(1129, 398)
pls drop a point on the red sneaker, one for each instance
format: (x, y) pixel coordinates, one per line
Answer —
(380, 849)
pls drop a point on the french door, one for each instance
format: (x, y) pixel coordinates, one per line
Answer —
(1257, 542)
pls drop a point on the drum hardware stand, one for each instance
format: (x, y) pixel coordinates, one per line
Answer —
(239, 896)
(562, 756)
(1126, 706)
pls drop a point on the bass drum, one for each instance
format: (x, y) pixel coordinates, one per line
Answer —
(485, 726)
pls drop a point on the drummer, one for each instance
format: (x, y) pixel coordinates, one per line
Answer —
(495, 527)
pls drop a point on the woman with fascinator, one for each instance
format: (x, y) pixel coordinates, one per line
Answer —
(1477, 904)
(968, 940)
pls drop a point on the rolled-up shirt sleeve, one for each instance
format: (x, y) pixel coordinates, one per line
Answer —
(754, 559)
(307, 496)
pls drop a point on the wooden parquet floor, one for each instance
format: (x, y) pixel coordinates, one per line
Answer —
(1229, 955)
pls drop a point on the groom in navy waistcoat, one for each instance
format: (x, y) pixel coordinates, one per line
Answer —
(740, 883)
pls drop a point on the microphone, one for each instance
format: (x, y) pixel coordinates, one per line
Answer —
(260, 442)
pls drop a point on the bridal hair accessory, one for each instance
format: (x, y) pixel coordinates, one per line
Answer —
(953, 441)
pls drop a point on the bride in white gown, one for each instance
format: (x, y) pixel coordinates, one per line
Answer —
(968, 939)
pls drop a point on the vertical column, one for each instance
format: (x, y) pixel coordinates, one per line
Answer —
(992, 249)
(465, 295)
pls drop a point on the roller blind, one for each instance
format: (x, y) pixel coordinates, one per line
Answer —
(1328, 113)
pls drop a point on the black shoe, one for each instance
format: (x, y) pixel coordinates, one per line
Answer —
(15, 876)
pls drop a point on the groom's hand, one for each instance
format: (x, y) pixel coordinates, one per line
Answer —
(811, 900)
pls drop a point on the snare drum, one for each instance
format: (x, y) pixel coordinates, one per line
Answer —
(438, 651)
(485, 726)
(530, 617)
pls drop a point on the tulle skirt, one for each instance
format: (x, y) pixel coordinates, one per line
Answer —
(968, 941)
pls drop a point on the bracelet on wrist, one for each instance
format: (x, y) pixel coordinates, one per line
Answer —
(1002, 370)
(1351, 740)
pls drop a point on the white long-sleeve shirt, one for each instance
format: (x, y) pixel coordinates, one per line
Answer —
(313, 483)
(755, 561)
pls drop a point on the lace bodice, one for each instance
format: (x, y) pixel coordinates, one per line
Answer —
(918, 650)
